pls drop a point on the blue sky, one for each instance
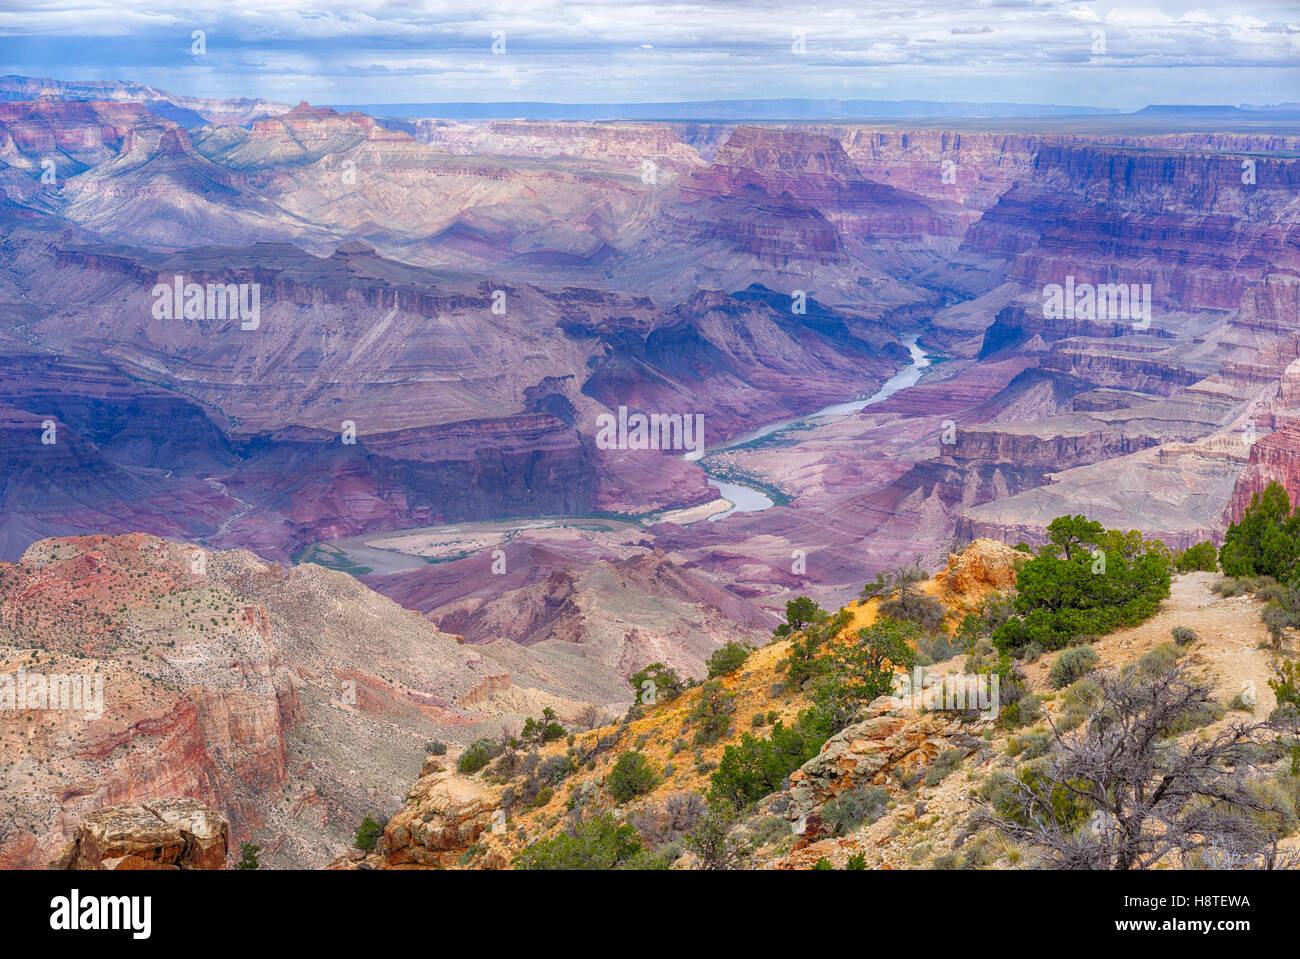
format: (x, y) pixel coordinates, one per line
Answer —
(1124, 54)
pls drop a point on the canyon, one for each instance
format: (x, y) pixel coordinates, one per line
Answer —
(447, 309)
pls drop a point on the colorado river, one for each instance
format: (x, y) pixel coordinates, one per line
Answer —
(746, 499)
(381, 553)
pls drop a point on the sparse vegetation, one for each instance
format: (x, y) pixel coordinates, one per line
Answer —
(901, 598)
(714, 840)
(728, 659)
(596, 843)
(944, 764)
(1127, 793)
(630, 777)
(368, 834)
(477, 755)
(1071, 666)
(854, 808)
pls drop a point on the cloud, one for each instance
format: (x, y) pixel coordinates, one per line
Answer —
(612, 50)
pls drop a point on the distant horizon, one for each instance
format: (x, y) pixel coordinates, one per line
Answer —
(752, 109)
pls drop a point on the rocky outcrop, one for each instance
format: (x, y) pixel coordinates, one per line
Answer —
(161, 834)
(445, 814)
(885, 742)
(982, 567)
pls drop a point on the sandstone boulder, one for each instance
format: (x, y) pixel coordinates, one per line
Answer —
(445, 813)
(158, 834)
(984, 566)
(885, 741)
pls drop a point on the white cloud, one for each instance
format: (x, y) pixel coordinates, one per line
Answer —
(597, 49)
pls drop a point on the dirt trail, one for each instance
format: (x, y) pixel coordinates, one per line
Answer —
(1228, 633)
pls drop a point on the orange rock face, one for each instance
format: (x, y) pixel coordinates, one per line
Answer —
(983, 567)
(444, 815)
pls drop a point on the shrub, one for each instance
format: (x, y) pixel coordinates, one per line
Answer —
(901, 598)
(804, 662)
(860, 671)
(854, 808)
(994, 610)
(756, 767)
(799, 614)
(477, 755)
(1160, 659)
(1264, 541)
(669, 819)
(437, 747)
(856, 862)
(368, 834)
(630, 777)
(1281, 613)
(599, 843)
(1022, 712)
(822, 864)
(728, 659)
(714, 841)
(248, 855)
(1238, 702)
(1286, 687)
(555, 769)
(1084, 580)
(1202, 557)
(543, 730)
(943, 765)
(713, 713)
(940, 648)
(1184, 635)
(1072, 665)
(1156, 795)
(1078, 702)
(656, 683)
(1030, 745)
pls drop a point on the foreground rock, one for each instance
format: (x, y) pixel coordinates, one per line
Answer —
(444, 815)
(886, 742)
(160, 834)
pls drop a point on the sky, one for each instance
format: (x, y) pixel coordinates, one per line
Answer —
(1122, 55)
